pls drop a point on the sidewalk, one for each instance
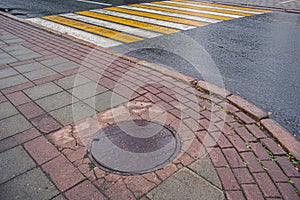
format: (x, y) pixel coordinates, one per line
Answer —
(60, 100)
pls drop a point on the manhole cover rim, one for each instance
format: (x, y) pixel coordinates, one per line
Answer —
(160, 165)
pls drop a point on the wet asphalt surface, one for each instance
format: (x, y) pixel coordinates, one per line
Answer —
(257, 57)
(38, 8)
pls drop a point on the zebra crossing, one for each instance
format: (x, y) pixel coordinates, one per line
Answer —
(113, 26)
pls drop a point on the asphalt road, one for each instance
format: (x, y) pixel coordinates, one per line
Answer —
(257, 57)
(38, 8)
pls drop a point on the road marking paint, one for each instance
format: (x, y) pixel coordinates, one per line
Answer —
(145, 19)
(120, 20)
(89, 37)
(283, 2)
(214, 9)
(94, 2)
(111, 25)
(225, 6)
(94, 29)
(156, 16)
(193, 9)
(148, 9)
(185, 11)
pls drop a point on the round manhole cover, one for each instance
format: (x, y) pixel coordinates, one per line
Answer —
(135, 147)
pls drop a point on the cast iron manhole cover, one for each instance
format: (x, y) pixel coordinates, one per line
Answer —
(135, 147)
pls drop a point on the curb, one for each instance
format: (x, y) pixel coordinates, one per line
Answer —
(283, 137)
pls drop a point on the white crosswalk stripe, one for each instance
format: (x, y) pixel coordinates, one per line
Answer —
(214, 7)
(98, 40)
(193, 10)
(202, 19)
(145, 19)
(111, 25)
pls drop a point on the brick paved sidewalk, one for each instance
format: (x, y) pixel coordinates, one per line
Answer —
(57, 94)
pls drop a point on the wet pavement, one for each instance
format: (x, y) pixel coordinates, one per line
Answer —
(69, 92)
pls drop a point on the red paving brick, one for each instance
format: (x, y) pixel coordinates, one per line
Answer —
(287, 191)
(62, 173)
(266, 185)
(119, 190)
(228, 179)
(287, 166)
(273, 146)
(243, 175)
(244, 118)
(18, 98)
(233, 158)
(256, 131)
(238, 143)
(138, 185)
(18, 139)
(252, 192)
(234, 195)
(274, 171)
(252, 162)
(30, 110)
(166, 171)
(260, 151)
(217, 157)
(41, 150)
(85, 191)
(45, 123)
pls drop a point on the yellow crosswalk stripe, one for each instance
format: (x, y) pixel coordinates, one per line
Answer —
(133, 23)
(157, 16)
(205, 9)
(224, 6)
(182, 12)
(123, 37)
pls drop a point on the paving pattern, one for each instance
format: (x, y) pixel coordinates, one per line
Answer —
(114, 26)
(71, 91)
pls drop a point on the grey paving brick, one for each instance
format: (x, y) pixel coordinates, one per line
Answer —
(4, 55)
(13, 40)
(87, 90)
(56, 101)
(205, 168)
(54, 61)
(41, 73)
(185, 184)
(71, 81)
(42, 90)
(73, 113)
(20, 51)
(14, 162)
(65, 66)
(29, 67)
(7, 110)
(6, 72)
(12, 125)
(105, 100)
(31, 185)
(7, 60)
(8, 36)
(28, 56)
(12, 47)
(12, 81)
